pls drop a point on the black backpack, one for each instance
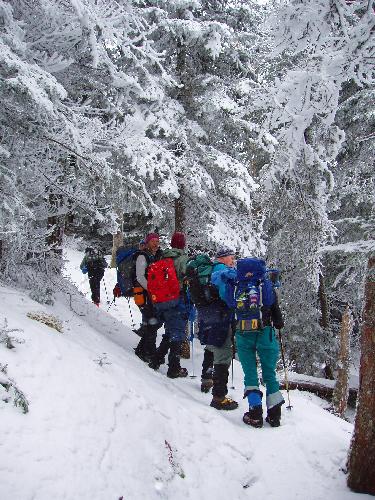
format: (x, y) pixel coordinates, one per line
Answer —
(95, 260)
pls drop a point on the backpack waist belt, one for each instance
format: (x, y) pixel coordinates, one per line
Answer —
(249, 325)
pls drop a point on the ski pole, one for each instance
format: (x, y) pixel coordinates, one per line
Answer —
(105, 288)
(131, 314)
(289, 407)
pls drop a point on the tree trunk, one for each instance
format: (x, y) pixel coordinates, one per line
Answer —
(341, 391)
(361, 461)
(324, 309)
(324, 321)
(55, 225)
(118, 241)
(179, 211)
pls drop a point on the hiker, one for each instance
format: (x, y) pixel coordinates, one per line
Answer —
(258, 314)
(94, 263)
(202, 293)
(150, 321)
(215, 328)
(173, 312)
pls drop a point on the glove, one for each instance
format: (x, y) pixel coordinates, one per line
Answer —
(117, 291)
(84, 270)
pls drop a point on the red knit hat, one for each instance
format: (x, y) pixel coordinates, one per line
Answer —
(178, 241)
(151, 236)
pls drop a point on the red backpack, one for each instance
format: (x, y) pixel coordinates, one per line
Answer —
(162, 282)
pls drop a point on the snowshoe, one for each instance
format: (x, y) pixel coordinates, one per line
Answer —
(223, 403)
(254, 417)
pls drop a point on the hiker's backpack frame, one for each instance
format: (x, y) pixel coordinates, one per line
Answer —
(254, 291)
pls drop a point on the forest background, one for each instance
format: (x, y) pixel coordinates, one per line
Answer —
(237, 122)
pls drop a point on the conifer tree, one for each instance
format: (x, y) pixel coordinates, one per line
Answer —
(325, 44)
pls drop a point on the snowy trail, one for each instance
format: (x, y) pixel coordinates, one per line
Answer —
(101, 432)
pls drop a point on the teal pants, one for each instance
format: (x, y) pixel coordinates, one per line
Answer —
(265, 343)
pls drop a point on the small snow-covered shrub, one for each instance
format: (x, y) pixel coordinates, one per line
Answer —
(47, 319)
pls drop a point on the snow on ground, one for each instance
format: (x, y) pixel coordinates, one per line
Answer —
(102, 425)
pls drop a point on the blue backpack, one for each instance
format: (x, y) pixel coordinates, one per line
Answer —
(255, 290)
(125, 265)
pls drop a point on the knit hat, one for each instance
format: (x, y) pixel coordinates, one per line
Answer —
(224, 252)
(178, 241)
(151, 236)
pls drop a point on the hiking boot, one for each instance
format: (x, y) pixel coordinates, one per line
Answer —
(155, 365)
(206, 384)
(143, 356)
(223, 403)
(274, 415)
(140, 331)
(254, 417)
(181, 373)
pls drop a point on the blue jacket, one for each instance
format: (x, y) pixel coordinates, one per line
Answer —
(224, 278)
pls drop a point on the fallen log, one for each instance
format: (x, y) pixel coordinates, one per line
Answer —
(320, 390)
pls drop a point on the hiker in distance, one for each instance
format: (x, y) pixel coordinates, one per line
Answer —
(94, 263)
(215, 327)
(170, 302)
(258, 314)
(150, 321)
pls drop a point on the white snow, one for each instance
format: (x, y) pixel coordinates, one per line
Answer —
(102, 425)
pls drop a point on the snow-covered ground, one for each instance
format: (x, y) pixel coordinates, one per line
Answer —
(102, 425)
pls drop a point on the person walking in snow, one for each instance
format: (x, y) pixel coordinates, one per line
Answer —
(94, 264)
(150, 320)
(260, 339)
(174, 313)
(215, 328)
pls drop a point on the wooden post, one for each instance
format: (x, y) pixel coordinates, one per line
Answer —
(361, 461)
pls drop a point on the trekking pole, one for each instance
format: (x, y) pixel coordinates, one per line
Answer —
(233, 355)
(131, 314)
(192, 347)
(105, 288)
(289, 407)
(110, 305)
(232, 376)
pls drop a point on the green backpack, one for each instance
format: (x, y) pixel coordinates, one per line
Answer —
(198, 276)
